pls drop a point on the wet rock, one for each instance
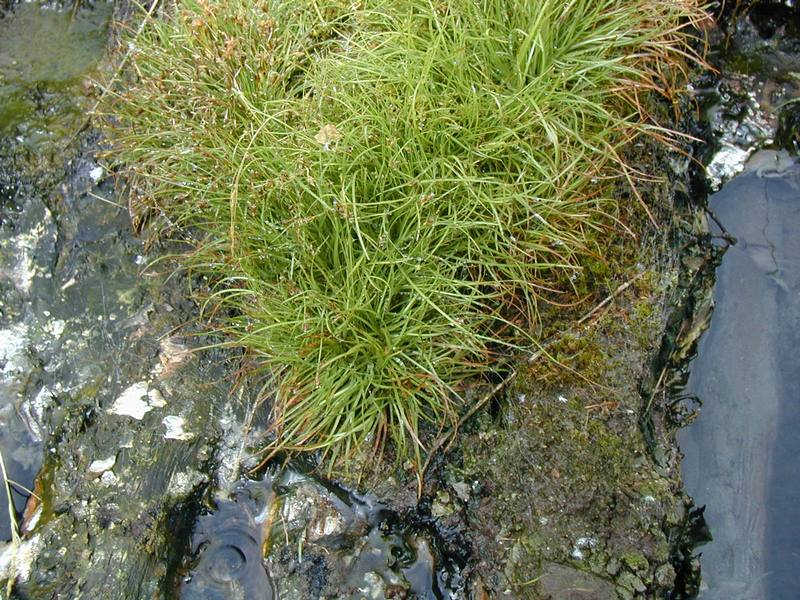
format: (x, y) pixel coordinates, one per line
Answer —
(335, 543)
(756, 78)
(559, 582)
(92, 364)
(788, 134)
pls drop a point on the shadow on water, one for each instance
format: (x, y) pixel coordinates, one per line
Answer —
(293, 517)
(741, 454)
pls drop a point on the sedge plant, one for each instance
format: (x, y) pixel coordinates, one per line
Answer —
(383, 192)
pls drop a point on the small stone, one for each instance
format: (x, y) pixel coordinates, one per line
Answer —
(172, 355)
(613, 566)
(101, 466)
(462, 490)
(96, 174)
(131, 402)
(581, 544)
(631, 582)
(639, 586)
(637, 562)
(478, 591)
(109, 478)
(155, 399)
(373, 588)
(183, 482)
(624, 594)
(175, 431)
(665, 575)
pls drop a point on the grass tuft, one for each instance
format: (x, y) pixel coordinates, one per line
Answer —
(385, 191)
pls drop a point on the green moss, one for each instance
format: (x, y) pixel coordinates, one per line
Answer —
(568, 460)
(636, 561)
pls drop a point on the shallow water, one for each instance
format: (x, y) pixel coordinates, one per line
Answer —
(45, 350)
(369, 550)
(741, 453)
(228, 545)
(44, 53)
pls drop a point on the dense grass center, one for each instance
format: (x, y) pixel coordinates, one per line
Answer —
(385, 189)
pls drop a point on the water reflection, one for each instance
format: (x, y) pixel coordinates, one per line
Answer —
(341, 544)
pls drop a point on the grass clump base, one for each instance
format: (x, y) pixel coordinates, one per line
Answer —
(384, 192)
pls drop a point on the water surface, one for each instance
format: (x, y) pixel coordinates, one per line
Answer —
(741, 454)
